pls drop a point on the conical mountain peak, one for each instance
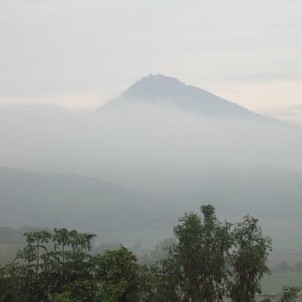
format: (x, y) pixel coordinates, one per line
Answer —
(155, 86)
(167, 91)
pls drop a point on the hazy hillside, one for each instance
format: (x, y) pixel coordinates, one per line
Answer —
(71, 201)
(292, 114)
(171, 146)
(167, 91)
(149, 131)
(90, 204)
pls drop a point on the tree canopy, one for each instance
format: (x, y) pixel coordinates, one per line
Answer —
(208, 260)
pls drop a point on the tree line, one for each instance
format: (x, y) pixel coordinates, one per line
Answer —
(210, 260)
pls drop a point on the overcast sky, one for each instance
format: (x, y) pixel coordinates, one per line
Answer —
(80, 54)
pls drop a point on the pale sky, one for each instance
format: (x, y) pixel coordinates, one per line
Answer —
(80, 54)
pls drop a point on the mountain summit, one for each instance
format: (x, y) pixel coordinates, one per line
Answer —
(168, 91)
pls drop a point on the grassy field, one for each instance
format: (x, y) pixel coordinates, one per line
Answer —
(275, 282)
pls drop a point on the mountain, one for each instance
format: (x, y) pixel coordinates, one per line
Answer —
(89, 204)
(170, 92)
(292, 114)
(162, 148)
(84, 203)
(150, 137)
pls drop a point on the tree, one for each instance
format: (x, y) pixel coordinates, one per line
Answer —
(248, 260)
(196, 268)
(290, 293)
(51, 262)
(209, 259)
(27, 272)
(118, 276)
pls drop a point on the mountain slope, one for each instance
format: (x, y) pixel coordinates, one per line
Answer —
(167, 91)
(89, 204)
(34, 199)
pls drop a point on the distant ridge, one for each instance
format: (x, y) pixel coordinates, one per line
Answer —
(85, 203)
(169, 91)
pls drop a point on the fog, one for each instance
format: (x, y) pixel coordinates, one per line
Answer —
(152, 157)
(145, 145)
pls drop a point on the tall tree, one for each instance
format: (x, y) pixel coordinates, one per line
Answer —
(118, 276)
(197, 266)
(51, 262)
(248, 260)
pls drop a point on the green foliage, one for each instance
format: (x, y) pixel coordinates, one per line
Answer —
(248, 260)
(200, 256)
(209, 259)
(117, 275)
(64, 297)
(290, 293)
(47, 264)
(56, 266)
(214, 259)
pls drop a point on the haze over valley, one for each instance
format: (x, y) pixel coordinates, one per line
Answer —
(150, 150)
(137, 163)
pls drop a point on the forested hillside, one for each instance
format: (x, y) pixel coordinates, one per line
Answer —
(49, 200)
(43, 200)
